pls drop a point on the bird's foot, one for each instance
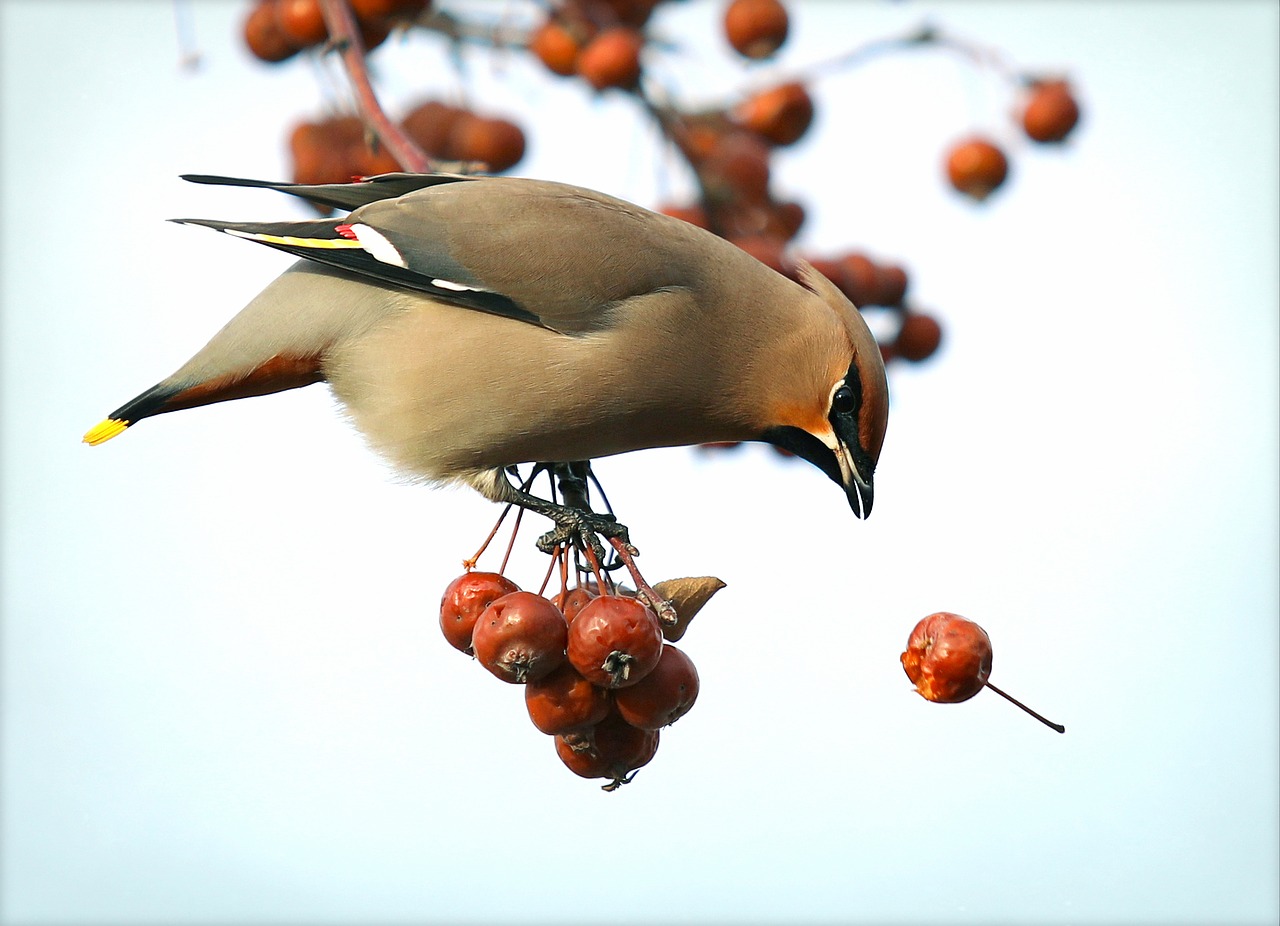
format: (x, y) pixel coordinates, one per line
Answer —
(582, 530)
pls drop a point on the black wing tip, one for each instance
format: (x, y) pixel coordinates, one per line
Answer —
(219, 180)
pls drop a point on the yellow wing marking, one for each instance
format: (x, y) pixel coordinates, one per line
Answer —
(296, 242)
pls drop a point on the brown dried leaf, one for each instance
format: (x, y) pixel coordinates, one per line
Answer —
(687, 596)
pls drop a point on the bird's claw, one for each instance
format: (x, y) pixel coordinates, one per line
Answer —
(583, 530)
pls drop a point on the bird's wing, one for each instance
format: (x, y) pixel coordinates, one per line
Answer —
(540, 252)
(345, 196)
(362, 250)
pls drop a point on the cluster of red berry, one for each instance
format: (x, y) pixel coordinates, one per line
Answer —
(338, 148)
(276, 30)
(454, 133)
(729, 148)
(598, 675)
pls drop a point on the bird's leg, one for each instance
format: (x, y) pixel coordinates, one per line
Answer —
(576, 523)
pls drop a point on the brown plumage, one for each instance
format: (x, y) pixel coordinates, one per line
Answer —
(470, 324)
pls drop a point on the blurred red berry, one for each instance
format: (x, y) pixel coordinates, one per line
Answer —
(301, 22)
(976, 168)
(890, 285)
(782, 114)
(858, 278)
(918, 338)
(756, 28)
(496, 143)
(1051, 111)
(431, 124)
(612, 59)
(263, 37)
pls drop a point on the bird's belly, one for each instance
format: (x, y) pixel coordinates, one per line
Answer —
(443, 392)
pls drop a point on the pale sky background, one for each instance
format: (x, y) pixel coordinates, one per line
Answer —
(226, 699)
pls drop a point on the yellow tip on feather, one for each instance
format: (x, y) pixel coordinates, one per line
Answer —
(104, 431)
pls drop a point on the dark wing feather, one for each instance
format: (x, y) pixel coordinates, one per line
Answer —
(346, 196)
(307, 240)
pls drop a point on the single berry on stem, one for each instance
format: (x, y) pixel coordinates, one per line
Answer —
(948, 659)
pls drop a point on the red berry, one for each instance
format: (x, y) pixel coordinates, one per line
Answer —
(977, 168)
(663, 696)
(756, 28)
(464, 599)
(496, 143)
(830, 267)
(430, 124)
(693, 214)
(767, 249)
(612, 749)
(301, 22)
(263, 37)
(374, 10)
(918, 338)
(737, 168)
(557, 46)
(520, 637)
(574, 600)
(891, 285)
(788, 218)
(615, 641)
(626, 12)
(1051, 111)
(564, 701)
(612, 59)
(782, 114)
(948, 658)
(858, 279)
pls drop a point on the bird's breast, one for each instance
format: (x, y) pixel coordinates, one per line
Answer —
(442, 391)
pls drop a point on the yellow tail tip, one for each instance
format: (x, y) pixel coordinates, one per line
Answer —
(104, 431)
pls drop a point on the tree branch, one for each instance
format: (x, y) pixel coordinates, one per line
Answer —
(344, 38)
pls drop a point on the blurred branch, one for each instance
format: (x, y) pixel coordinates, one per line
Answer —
(344, 38)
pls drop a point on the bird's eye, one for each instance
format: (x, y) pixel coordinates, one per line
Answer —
(842, 400)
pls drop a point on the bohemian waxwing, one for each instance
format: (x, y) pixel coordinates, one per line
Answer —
(469, 324)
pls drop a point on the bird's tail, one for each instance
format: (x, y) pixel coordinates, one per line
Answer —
(275, 375)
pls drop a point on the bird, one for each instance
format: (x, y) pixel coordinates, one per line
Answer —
(469, 324)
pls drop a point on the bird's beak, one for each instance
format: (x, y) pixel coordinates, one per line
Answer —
(857, 486)
(846, 466)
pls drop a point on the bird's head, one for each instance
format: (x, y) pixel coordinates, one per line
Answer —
(840, 427)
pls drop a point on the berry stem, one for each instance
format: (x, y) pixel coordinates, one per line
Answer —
(551, 567)
(1012, 700)
(515, 530)
(663, 608)
(471, 563)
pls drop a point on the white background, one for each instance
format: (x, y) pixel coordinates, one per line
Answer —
(225, 695)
